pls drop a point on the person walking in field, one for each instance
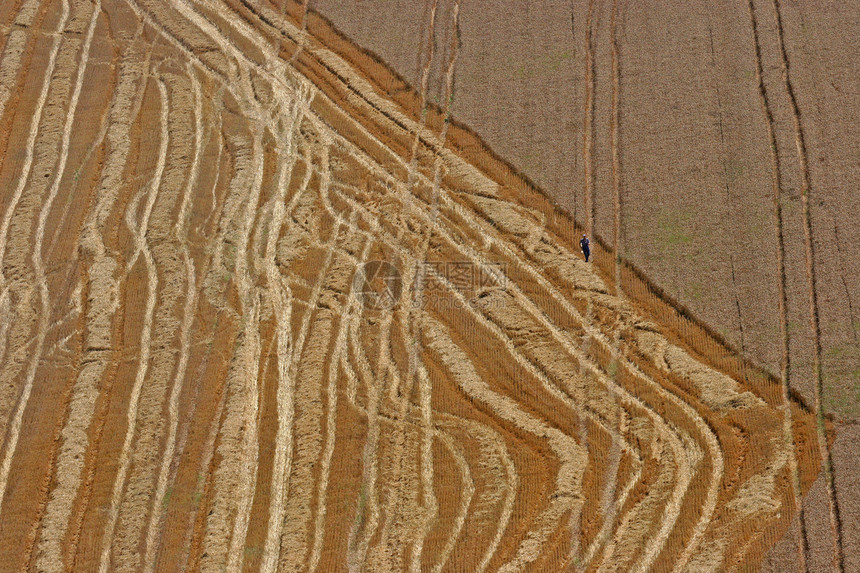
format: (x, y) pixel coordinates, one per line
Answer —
(584, 245)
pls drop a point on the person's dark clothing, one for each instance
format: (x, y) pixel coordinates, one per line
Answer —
(584, 245)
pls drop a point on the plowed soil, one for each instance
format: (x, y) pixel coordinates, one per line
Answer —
(265, 307)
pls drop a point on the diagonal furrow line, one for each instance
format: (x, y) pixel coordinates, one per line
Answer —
(551, 387)
(535, 370)
(354, 82)
(275, 70)
(855, 324)
(149, 20)
(139, 233)
(814, 320)
(304, 30)
(358, 86)
(248, 33)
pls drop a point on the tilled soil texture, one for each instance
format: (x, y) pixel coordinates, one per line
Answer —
(713, 144)
(258, 313)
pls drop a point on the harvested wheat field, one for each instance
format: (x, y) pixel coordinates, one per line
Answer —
(264, 308)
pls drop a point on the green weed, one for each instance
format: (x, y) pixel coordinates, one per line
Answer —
(673, 229)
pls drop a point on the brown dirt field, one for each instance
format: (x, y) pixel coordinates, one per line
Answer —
(200, 371)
